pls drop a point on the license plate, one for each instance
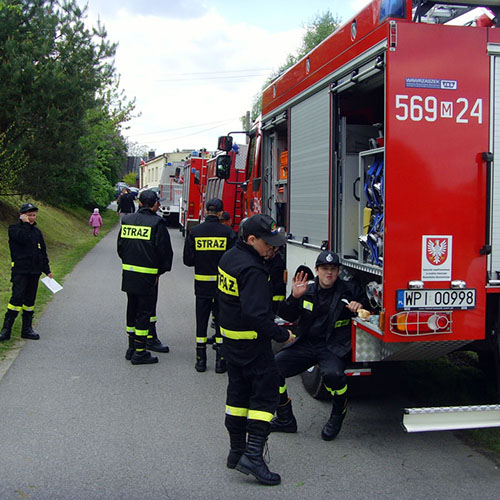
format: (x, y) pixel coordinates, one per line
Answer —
(443, 299)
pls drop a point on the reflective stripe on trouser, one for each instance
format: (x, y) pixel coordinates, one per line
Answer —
(28, 308)
(283, 394)
(14, 308)
(252, 395)
(24, 288)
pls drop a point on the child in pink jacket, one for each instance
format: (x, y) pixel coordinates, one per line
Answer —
(95, 221)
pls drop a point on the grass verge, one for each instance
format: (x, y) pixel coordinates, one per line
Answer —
(68, 237)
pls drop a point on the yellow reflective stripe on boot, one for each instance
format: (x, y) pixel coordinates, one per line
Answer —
(141, 333)
(14, 308)
(28, 308)
(239, 335)
(337, 392)
(139, 269)
(263, 416)
(234, 411)
(205, 277)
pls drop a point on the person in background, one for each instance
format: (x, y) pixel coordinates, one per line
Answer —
(225, 218)
(95, 221)
(146, 252)
(29, 260)
(125, 203)
(204, 246)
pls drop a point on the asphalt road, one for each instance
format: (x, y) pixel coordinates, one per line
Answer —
(77, 421)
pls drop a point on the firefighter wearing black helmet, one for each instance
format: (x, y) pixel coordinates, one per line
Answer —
(146, 252)
(204, 246)
(247, 326)
(29, 260)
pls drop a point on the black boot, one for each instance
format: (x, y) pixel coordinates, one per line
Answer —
(141, 356)
(130, 350)
(284, 421)
(27, 331)
(252, 461)
(220, 362)
(238, 443)
(334, 423)
(154, 343)
(7, 326)
(201, 359)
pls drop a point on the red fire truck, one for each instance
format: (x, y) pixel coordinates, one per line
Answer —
(229, 190)
(193, 174)
(380, 144)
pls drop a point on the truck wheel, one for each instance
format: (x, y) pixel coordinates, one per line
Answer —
(313, 383)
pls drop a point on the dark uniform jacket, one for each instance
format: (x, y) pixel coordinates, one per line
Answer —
(245, 312)
(126, 204)
(27, 249)
(276, 267)
(204, 246)
(145, 249)
(324, 307)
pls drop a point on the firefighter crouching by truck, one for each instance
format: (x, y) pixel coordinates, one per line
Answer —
(247, 326)
(204, 246)
(29, 260)
(146, 252)
(323, 309)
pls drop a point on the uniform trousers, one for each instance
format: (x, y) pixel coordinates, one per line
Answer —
(203, 307)
(140, 308)
(24, 288)
(302, 355)
(252, 396)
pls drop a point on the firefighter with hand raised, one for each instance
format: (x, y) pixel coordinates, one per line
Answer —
(29, 260)
(247, 326)
(323, 309)
(204, 246)
(146, 252)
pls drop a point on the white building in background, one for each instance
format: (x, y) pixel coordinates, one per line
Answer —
(150, 171)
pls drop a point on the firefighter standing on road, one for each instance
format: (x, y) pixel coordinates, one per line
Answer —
(204, 246)
(324, 309)
(146, 252)
(247, 326)
(29, 260)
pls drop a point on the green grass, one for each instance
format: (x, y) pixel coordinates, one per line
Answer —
(68, 237)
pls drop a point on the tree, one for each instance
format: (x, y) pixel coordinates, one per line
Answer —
(57, 82)
(317, 29)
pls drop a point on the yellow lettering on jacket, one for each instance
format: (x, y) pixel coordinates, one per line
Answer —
(136, 232)
(210, 243)
(227, 284)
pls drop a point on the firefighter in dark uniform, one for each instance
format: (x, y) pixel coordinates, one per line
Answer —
(247, 326)
(29, 260)
(277, 270)
(324, 309)
(146, 252)
(204, 246)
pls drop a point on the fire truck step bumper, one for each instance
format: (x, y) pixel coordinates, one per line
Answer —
(451, 418)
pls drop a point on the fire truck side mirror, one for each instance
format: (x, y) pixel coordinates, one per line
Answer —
(223, 166)
(225, 143)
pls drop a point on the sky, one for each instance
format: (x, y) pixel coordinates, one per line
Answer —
(194, 67)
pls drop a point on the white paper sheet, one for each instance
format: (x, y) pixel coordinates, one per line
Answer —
(51, 284)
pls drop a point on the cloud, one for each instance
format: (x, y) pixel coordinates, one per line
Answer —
(178, 9)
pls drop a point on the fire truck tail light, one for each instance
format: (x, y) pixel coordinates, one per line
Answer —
(413, 323)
